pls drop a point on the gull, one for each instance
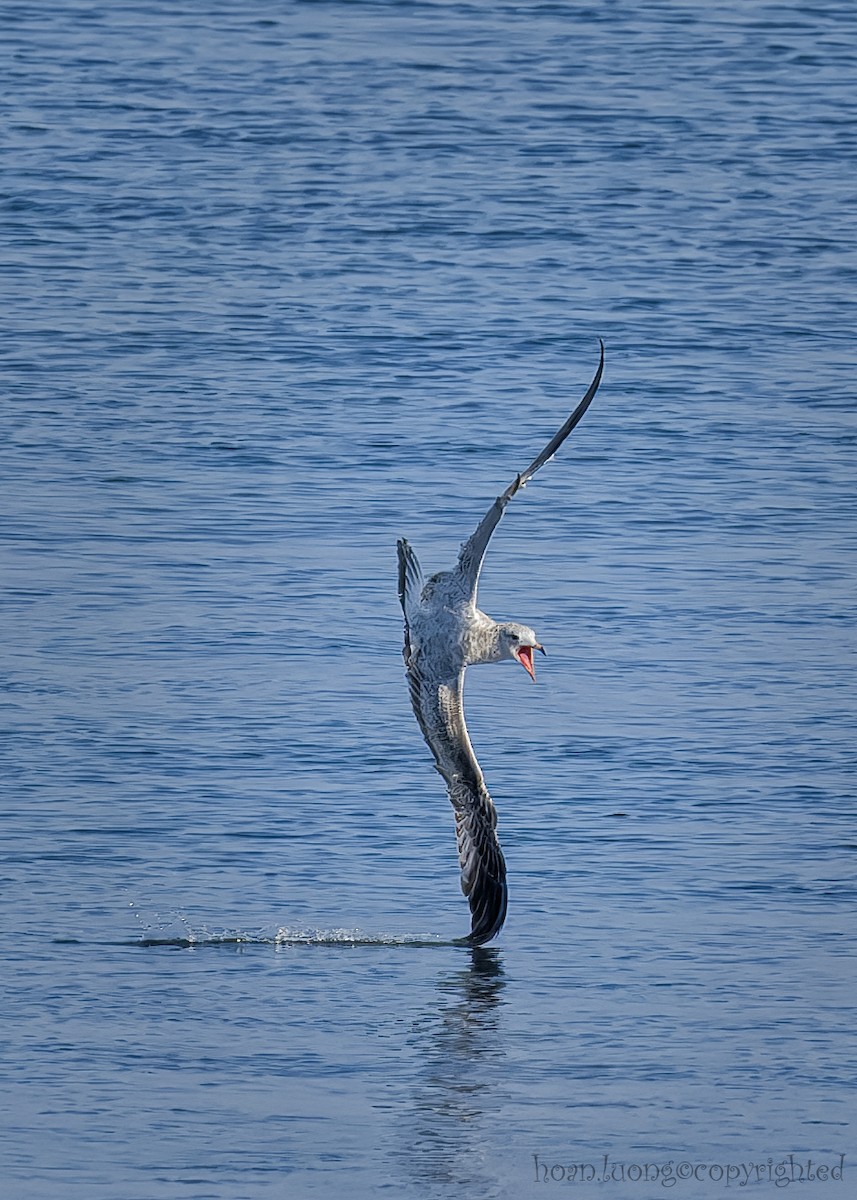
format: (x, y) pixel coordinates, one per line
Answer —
(444, 634)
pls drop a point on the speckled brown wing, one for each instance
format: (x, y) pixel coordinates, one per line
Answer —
(440, 713)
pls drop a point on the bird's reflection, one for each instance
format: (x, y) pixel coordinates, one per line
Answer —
(456, 1092)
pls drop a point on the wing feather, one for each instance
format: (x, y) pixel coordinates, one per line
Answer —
(440, 714)
(473, 550)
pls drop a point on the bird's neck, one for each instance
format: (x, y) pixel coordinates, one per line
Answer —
(482, 644)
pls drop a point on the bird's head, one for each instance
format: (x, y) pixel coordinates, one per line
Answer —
(519, 642)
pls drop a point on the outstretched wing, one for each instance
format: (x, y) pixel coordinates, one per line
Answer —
(439, 711)
(473, 550)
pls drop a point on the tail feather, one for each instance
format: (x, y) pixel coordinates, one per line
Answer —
(410, 577)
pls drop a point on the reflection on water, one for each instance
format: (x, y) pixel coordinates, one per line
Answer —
(455, 1095)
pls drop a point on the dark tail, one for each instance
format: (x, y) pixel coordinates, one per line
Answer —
(410, 575)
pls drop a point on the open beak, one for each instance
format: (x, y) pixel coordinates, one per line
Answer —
(524, 655)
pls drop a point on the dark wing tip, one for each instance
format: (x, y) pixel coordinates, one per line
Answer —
(561, 434)
(488, 902)
(483, 867)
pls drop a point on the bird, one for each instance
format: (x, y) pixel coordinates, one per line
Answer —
(445, 632)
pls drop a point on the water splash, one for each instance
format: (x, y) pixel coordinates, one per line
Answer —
(353, 937)
(176, 931)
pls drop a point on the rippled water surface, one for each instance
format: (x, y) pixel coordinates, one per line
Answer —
(283, 282)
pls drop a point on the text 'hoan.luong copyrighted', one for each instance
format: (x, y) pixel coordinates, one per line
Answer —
(781, 1172)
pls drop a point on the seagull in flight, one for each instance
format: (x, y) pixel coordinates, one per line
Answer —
(444, 634)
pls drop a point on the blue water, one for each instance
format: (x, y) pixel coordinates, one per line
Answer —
(281, 283)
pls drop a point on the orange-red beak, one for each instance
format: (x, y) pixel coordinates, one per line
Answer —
(524, 655)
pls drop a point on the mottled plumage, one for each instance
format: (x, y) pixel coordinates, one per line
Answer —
(444, 634)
